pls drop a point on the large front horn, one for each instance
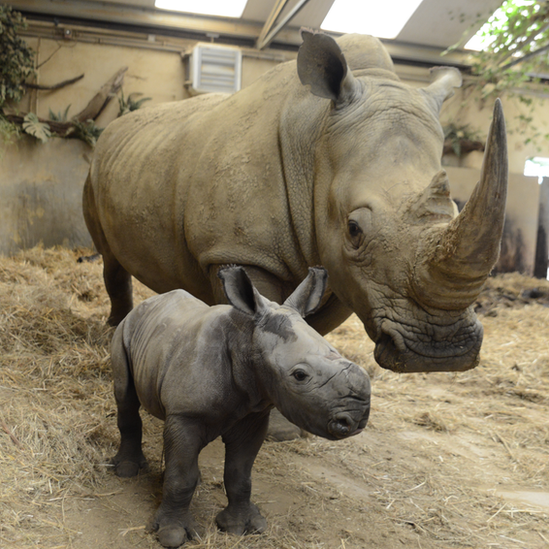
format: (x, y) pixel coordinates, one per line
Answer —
(456, 262)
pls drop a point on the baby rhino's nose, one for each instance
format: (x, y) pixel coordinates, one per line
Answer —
(341, 426)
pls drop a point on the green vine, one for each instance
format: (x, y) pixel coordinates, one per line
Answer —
(17, 65)
(517, 45)
(513, 61)
(16, 58)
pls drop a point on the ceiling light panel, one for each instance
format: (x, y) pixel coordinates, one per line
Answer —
(381, 18)
(220, 8)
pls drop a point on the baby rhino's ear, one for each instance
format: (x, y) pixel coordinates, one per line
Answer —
(240, 291)
(307, 297)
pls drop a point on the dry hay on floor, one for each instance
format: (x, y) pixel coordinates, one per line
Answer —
(429, 471)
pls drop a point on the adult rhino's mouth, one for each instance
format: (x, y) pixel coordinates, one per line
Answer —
(403, 350)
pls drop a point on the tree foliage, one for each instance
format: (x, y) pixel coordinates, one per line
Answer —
(514, 60)
(16, 58)
(515, 48)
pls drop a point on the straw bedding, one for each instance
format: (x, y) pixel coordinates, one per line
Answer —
(444, 461)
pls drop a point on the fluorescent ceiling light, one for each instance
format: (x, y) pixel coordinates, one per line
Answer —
(381, 18)
(221, 8)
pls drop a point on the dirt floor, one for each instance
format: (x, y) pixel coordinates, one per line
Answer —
(447, 460)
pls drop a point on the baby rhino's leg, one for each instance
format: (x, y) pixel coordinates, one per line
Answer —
(183, 440)
(242, 443)
(130, 459)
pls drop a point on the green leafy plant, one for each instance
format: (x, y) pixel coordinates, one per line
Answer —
(130, 104)
(33, 126)
(9, 132)
(515, 47)
(60, 116)
(461, 139)
(86, 131)
(516, 42)
(16, 58)
(514, 60)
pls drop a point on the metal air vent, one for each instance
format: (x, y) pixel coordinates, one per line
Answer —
(215, 69)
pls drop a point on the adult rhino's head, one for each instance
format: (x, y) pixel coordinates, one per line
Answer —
(396, 249)
(296, 368)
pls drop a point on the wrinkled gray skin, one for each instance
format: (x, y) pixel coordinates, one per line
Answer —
(211, 371)
(331, 161)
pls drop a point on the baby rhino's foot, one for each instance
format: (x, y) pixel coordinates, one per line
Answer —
(125, 466)
(243, 521)
(173, 533)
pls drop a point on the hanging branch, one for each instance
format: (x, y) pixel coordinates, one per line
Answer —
(59, 128)
(525, 57)
(49, 57)
(102, 97)
(55, 86)
(521, 42)
(90, 112)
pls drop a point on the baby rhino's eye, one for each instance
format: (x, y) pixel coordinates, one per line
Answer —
(300, 375)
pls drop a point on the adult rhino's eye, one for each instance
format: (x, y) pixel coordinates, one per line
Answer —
(354, 229)
(300, 375)
(355, 233)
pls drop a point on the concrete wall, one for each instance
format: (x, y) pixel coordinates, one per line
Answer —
(41, 194)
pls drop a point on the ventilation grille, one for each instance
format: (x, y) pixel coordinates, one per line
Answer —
(215, 69)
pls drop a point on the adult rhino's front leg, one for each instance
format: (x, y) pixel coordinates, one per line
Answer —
(183, 441)
(242, 443)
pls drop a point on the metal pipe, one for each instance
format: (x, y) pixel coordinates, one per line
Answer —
(293, 12)
(271, 20)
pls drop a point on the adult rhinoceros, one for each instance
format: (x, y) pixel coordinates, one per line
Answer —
(337, 163)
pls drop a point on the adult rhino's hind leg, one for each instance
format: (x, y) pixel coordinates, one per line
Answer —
(118, 281)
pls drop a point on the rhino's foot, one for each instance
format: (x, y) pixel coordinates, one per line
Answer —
(281, 429)
(129, 467)
(248, 521)
(176, 532)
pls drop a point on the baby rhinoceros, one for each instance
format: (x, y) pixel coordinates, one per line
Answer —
(210, 371)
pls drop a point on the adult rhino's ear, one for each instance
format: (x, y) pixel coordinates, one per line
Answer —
(444, 80)
(322, 65)
(239, 290)
(307, 296)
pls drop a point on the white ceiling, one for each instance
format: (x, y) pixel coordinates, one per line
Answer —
(435, 23)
